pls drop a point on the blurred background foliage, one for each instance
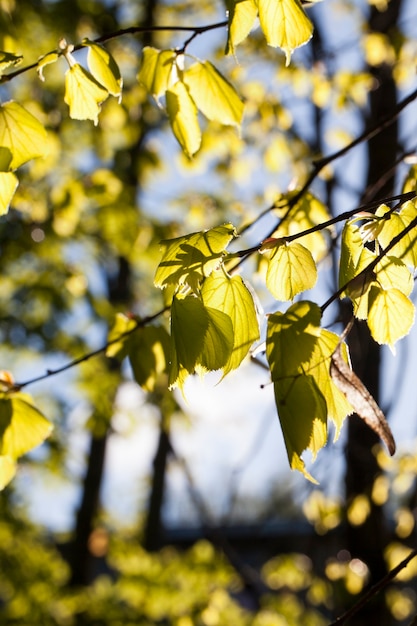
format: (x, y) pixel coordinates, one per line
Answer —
(80, 244)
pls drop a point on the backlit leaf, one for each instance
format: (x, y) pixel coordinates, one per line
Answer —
(299, 354)
(218, 341)
(22, 426)
(360, 399)
(307, 213)
(8, 60)
(188, 259)
(291, 270)
(183, 117)
(7, 470)
(83, 94)
(406, 249)
(291, 338)
(391, 272)
(213, 94)
(242, 15)
(359, 285)
(230, 295)
(351, 249)
(122, 325)
(285, 24)
(189, 324)
(338, 406)
(104, 68)
(201, 339)
(149, 350)
(303, 417)
(22, 137)
(8, 186)
(43, 61)
(156, 70)
(390, 316)
(410, 182)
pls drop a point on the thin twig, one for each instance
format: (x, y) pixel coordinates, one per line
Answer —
(320, 164)
(132, 30)
(402, 197)
(85, 357)
(373, 591)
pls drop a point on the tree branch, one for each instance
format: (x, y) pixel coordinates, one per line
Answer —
(320, 164)
(402, 197)
(85, 357)
(373, 591)
(132, 30)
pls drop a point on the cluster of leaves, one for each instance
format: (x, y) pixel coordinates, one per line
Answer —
(221, 309)
(214, 322)
(214, 319)
(378, 284)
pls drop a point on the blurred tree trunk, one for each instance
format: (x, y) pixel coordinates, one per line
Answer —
(80, 556)
(368, 540)
(119, 294)
(152, 540)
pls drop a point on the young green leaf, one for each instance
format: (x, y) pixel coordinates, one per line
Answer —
(187, 260)
(104, 68)
(406, 249)
(303, 417)
(389, 272)
(189, 324)
(8, 186)
(183, 117)
(22, 137)
(83, 94)
(390, 316)
(242, 15)
(285, 24)
(22, 426)
(122, 324)
(393, 273)
(156, 70)
(7, 470)
(307, 213)
(8, 60)
(338, 405)
(230, 295)
(149, 350)
(359, 285)
(213, 94)
(299, 354)
(201, 339)
(351, 249)
(410, 181)
(291, 270)
(291, 339)
(43, 61)
(218, 341)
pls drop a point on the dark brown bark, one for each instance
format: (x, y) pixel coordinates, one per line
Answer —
(80, 558)
(119, 293)
(367, 541)
(153, 525)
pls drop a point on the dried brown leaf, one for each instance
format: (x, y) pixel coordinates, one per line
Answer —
(360, 398)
